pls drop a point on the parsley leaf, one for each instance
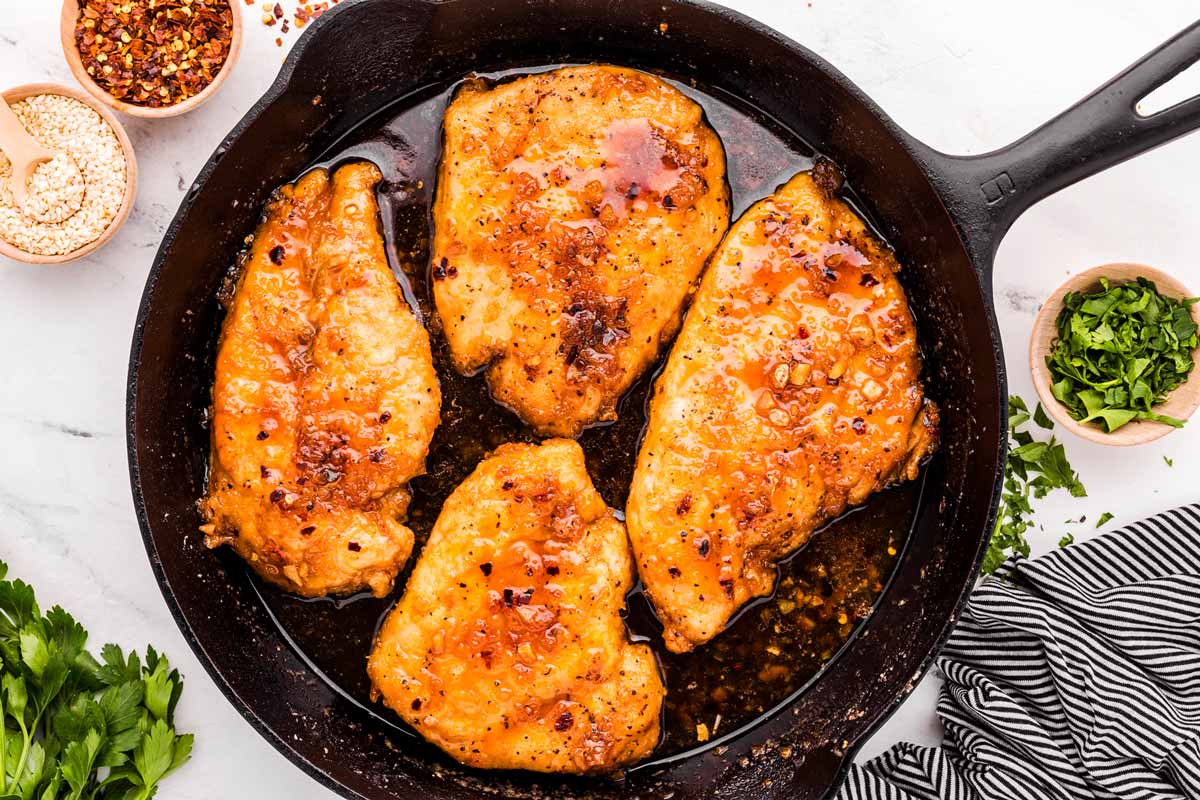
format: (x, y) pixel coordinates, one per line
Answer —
(1066, 540)
(1034, 469)
(1105, 517)
(1042, 418)
(71, 727)
(1120, 351)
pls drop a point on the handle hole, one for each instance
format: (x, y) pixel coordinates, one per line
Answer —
(1184, 86)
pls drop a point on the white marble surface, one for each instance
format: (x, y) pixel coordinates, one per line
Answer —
(965, 77)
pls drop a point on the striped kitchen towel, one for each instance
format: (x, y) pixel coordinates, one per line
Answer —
(1073, 675)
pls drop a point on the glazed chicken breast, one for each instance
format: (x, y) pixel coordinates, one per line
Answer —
(792, 392)
(325, 398)
(575, 210)
(508, 649)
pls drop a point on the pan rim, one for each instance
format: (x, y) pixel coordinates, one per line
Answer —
(916, 150)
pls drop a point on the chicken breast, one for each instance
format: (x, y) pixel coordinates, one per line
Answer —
(325, 398)
(575, 210)
(508, 649)
(792, 392)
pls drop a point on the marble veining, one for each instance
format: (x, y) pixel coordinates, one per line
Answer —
(964, 77)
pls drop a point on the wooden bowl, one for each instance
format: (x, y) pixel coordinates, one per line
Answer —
(1180, 403)
(70, 14)
(131, 173)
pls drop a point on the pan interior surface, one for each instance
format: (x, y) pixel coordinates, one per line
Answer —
(777, 644)
(296, 669)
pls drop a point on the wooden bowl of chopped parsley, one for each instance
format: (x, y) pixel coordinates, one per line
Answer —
(1112, 353)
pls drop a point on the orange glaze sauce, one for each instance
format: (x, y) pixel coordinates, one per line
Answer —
(777, 644)
(637, 170)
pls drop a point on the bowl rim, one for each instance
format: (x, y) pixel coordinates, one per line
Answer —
(1181, 402)
(70, 13)
(18, 93)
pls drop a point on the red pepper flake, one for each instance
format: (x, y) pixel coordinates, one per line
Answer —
(859, 425)
(416, 704)
(277, 494)
(486, 568)
(515, 597)
(385, 416)
(277, 11)
(154, 53)
(868, 280)
(307, 530)
(354, 547)
(564, 722)
(306, 12)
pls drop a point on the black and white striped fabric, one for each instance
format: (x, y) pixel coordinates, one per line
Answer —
(1073, 675)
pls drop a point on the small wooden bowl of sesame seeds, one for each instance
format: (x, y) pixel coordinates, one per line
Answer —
(177, 70)
(112, 201)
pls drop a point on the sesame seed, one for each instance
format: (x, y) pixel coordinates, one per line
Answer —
(55, 190)
(89, 147)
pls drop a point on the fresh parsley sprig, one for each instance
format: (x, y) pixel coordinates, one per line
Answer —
(72, 727)
(1034, 469)
(1120, 351)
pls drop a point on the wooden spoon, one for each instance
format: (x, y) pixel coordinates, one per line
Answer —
(22, 150)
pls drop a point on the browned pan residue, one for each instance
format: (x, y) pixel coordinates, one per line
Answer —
(777, 645)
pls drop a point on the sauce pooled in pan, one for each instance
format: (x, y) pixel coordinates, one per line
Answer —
(775, 645)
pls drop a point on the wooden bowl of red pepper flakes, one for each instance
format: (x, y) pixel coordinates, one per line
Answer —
(151, 58)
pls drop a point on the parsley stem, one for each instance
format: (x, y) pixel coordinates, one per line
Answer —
(1033, 469)
(20, 766)
(81, 723)
(3, 742)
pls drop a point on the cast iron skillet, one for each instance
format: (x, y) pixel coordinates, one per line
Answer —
(945, 216)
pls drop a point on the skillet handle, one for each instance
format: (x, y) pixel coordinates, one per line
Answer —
(987, 193)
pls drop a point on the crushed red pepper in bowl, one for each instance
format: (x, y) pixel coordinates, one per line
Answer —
(154, 53)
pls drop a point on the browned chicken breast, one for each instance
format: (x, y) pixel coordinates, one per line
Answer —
(508, 650)
(792, 392)
(325, 397)
(575, 210)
